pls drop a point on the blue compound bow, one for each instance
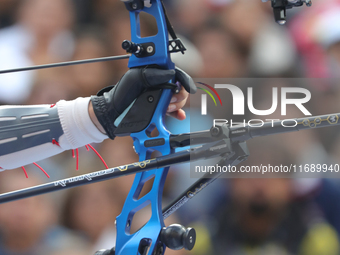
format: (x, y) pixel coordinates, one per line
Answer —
(229, 143)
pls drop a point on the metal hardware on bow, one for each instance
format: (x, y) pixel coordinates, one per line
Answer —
(280, 7)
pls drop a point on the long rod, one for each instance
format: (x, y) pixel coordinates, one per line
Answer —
(70, 63)
(77, 181)
(239, 134)
(94, 177)
(103, 175)
(240, 154)
(246, 132)
(190, 192)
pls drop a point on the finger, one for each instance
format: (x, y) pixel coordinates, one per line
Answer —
(181, 96)
(180, 114)
(176, 106)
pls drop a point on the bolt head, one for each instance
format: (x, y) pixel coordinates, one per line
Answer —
(149, 49)
(215, 131)
(150, 99)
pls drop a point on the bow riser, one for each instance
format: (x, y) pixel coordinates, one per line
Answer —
(147, 238)
(161, 55)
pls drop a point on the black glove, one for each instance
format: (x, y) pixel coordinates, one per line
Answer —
(111, 102)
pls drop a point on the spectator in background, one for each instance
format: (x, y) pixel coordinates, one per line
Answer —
(313, 32)
(40, 35)
(264, 216)
(7, 10)
(244, 19)
(220, 52)
(29, 227)
(91, 210)
(327, 33)
(88, 79)
(191, 15)
(269, 49)
(51, 86)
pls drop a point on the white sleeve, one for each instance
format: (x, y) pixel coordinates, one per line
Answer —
(78, 130)
(77, 125)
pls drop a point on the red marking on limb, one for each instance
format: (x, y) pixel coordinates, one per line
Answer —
(101, 158)
(76, 155)
(77, 160)
(54, 141)
(23, 168)
(87, 147)
(52, 105)
(41, 169)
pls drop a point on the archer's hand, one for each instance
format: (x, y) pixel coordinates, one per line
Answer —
(177, 103)
(111, 102)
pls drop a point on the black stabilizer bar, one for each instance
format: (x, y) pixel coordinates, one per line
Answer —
(206, 151)
(243, 133)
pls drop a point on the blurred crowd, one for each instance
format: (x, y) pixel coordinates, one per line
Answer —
(225, 39)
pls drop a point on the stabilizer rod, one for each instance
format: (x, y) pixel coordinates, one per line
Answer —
(202, 152)
(243, 133)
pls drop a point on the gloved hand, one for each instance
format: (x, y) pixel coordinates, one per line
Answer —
(111, 102)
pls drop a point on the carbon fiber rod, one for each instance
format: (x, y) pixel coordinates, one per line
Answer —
(103, 175)
(243, 133)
